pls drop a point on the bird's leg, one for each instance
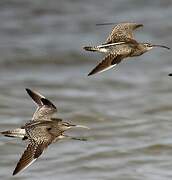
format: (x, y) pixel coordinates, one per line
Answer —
(75, 138)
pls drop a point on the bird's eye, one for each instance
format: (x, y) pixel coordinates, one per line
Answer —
(48, 129)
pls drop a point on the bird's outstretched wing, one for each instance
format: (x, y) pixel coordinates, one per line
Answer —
(40, 137)
(32, 152)
(45, 108)
(123, 33)
(36, 97)
(108, 62)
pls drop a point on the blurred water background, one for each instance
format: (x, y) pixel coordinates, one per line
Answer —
(128, 109)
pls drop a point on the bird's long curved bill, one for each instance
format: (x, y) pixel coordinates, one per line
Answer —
(81, 126)
(162, 46)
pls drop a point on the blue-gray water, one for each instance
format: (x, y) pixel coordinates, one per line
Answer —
(128, 109)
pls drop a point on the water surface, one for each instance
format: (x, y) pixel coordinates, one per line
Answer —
(128, 109)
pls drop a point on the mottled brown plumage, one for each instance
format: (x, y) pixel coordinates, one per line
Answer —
(123, 32)
(45, 108)
(39, 137)
(40, 132)
(120, 44)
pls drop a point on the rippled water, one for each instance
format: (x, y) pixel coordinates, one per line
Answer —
(128, 109)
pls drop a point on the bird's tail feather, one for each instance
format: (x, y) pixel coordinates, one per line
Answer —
(91, 48)
(19, 133)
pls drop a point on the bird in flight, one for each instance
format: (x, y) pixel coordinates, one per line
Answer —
(41, 131)
(119, 45)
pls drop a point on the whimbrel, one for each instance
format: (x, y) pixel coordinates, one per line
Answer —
(120, 44)
(41, 131)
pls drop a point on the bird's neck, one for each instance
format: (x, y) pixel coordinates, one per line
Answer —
(139, 50)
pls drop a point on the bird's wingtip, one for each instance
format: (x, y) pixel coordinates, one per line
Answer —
(90, 74)
(29, 91)
(104, 24)
(14, 173)
(16, 170)
(48, 102)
